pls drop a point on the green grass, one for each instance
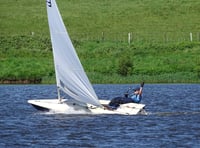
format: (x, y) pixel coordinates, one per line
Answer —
(175, 62)
(151, 62)
(160, 50)
(110, 16)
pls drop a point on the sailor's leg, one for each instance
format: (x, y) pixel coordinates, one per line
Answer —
(115, 102)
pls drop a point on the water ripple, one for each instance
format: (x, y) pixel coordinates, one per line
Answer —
(172, 121)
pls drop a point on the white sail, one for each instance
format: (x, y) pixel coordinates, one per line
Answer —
(70, 75)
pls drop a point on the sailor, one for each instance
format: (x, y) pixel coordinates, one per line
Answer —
(135, 98)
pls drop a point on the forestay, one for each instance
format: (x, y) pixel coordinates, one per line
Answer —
(70, 75)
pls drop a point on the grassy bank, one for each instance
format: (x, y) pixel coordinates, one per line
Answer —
(104, 62)
(160, 50)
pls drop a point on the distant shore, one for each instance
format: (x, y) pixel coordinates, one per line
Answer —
(117, 42)
(104, 62)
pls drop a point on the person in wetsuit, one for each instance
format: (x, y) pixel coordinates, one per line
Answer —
(135, 98)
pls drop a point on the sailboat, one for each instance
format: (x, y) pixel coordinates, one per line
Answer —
(71, 78)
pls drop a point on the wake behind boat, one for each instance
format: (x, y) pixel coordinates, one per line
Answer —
(71, 78)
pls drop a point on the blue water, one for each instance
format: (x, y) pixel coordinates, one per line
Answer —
(173, 119)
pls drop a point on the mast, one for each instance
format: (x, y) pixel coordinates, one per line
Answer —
(58, 91)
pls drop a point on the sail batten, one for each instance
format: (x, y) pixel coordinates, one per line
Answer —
(70, 75)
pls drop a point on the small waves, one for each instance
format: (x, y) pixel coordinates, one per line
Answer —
(169, 122)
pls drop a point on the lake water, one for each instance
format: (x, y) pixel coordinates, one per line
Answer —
(173, 119)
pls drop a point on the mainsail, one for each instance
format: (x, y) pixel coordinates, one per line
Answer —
(70, 75)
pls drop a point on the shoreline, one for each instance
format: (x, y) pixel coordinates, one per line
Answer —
(39, 81)
(23, 81)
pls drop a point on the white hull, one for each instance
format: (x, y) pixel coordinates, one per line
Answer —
(69, 107)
